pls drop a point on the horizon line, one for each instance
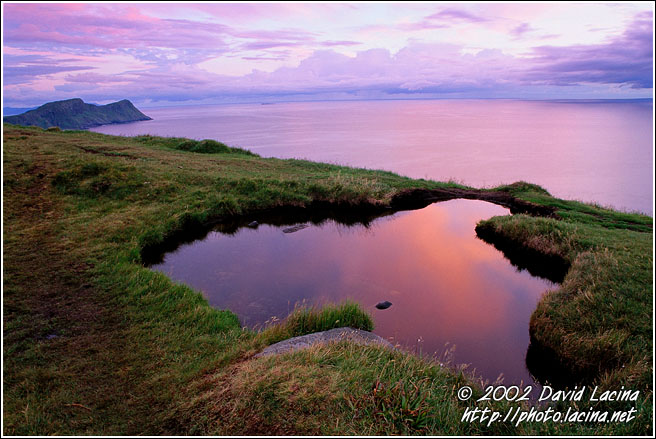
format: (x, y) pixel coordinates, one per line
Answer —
(271, 102)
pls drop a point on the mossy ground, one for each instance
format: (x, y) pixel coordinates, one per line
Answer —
(96, 343)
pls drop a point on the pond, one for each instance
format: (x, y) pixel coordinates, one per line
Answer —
(451, 292)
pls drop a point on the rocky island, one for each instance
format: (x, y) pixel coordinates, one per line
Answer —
(75, 114)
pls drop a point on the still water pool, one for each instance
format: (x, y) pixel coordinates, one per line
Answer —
(449, 289)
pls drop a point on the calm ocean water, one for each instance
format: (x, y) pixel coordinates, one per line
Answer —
(591, 151)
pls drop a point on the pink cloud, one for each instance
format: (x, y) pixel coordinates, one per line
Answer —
(104, 26)
(263, 58)
(456, 15)
(521, 29)
(108, 27)
(626, 60)
(97, 78)
(250, 12)
(444, 18)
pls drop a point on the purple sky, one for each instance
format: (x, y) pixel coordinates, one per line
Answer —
(163, 54)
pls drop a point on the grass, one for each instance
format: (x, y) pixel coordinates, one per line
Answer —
(207, 146)
(304, 320)
(331, 389)
(581, 213)
(96, 343)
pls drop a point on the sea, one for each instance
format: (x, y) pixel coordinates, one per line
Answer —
(592, 151)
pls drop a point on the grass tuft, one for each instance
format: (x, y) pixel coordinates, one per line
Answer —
(522, 186)
(306, 320)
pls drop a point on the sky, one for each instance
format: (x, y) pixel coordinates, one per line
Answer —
(159, 54)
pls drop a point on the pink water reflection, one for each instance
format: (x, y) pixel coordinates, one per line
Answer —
(446, 286)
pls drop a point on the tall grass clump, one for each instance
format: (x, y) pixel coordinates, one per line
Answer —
(209, 146)
(306, 320)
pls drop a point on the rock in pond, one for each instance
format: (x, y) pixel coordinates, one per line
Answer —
(295, 228)
(383, 305)
(253, 224)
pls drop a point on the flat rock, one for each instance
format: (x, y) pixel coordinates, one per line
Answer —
(253, 224)
(333, 335)
(295, 228)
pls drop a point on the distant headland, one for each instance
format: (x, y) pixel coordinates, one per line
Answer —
(75, 114)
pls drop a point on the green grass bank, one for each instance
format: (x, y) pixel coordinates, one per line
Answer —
(96, 343)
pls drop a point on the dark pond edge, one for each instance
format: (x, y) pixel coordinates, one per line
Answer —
(419, 198)
(547, 266)
(542, 361)
(317, 212)
(548, 368)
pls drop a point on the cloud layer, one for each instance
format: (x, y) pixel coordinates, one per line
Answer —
(169, 53)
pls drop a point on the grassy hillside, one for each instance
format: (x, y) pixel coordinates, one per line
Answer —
(96, 343)
(74, 114)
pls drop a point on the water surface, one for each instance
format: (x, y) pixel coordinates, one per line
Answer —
(448, 288)
(592, 151)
